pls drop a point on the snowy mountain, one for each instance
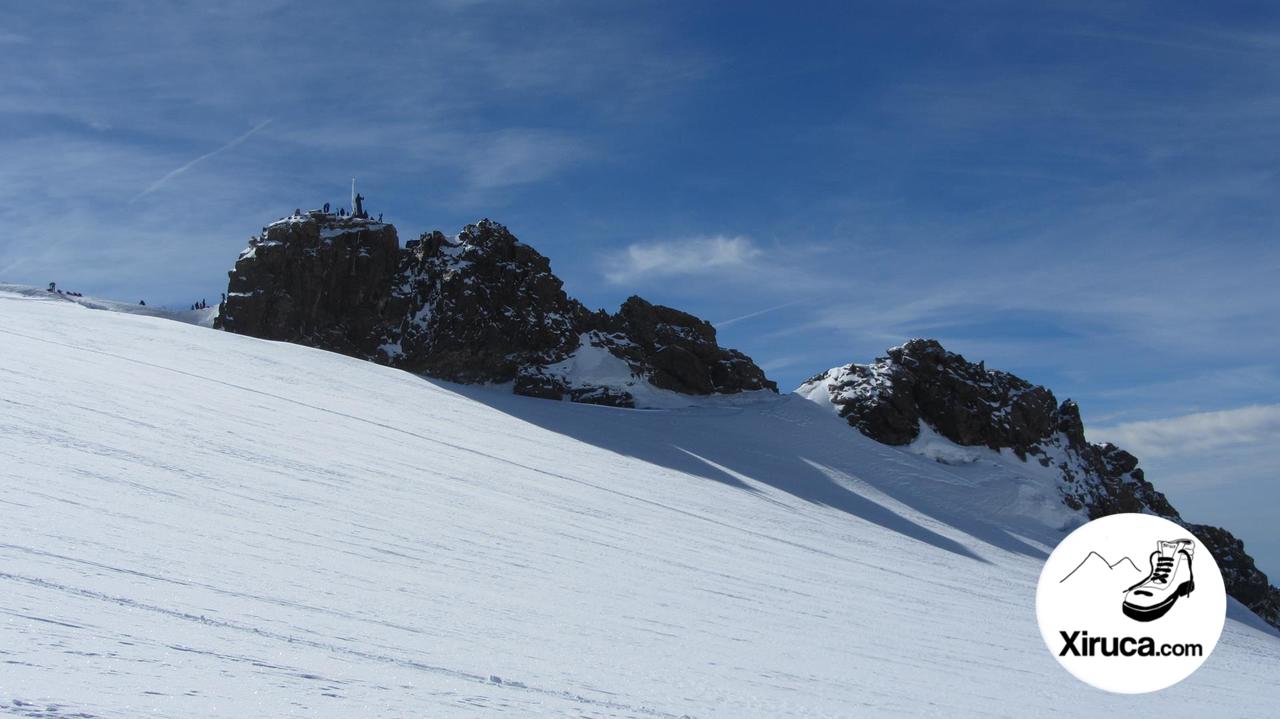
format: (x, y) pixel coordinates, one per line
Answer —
(203, 524)
(481, 307)
(939, 404)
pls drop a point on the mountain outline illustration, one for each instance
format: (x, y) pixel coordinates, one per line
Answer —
(1109, 565)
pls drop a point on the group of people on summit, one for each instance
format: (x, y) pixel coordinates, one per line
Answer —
(342, 211)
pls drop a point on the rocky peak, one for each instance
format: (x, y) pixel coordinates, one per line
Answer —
(479, 307)
(315, 278)
(965, 402)
(921, 383)
(492, 238)
(679, 352)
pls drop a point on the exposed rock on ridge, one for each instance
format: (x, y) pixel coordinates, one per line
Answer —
(921, 382)
(477, 308)
(481, 307)
(315, 279)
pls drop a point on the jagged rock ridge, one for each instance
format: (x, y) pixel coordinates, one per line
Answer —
(481, 307)
(920, 382)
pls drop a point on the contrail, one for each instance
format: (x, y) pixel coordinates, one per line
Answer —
(159, 183)
(757, 313)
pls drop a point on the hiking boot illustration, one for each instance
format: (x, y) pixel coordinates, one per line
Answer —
(1169, 579)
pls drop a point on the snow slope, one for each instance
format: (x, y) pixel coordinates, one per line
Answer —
(200, 524)
(203, 317)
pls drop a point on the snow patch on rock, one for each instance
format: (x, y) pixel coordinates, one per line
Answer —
(940, 449)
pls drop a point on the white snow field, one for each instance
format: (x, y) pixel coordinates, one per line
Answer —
(198, 524)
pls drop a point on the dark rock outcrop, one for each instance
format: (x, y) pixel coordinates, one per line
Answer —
(886, 400)
(314, 279)
(921, 382)
(678, 351)
(481, 307)
(477, 308)
(1244, 580)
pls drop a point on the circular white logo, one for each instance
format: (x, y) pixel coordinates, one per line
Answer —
(1131, 603)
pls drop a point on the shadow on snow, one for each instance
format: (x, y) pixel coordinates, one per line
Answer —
(784, 443)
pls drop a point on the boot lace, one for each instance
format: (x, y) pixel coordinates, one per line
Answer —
(1164, 565)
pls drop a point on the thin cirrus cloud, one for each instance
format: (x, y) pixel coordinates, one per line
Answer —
(757, 313)
(1197, 433)
(187, 166)
(518, 156)
(719, 253)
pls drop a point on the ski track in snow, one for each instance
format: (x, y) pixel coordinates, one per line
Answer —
(197, 524)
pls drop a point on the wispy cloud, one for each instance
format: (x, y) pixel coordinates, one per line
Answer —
(1195, 434)
(515, 157)
(94, 112)
(757, 313)
(695, 255)
(228, 146)
(773, 364)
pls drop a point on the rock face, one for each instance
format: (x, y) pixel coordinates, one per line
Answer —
(313, 278)
(921, 382)
(477, 308)
(1244, 580)
(679, 351)
(481, 307)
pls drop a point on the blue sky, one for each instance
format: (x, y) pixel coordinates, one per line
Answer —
(1083, 193)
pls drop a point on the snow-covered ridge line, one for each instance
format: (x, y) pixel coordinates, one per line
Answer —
(939, 404)
(202, 317)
